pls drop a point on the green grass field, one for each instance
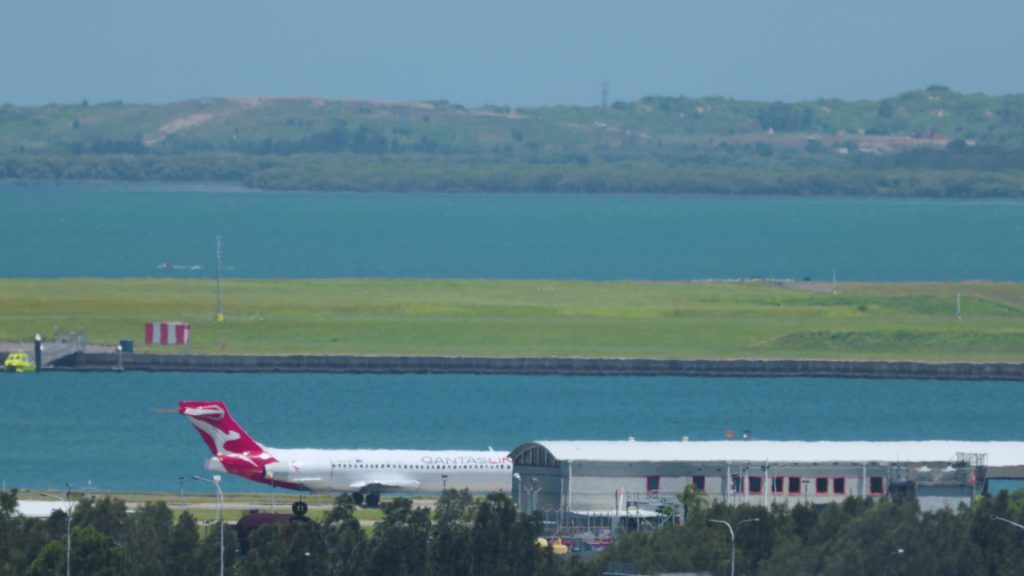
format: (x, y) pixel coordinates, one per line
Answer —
(202, 506)
(536, 318)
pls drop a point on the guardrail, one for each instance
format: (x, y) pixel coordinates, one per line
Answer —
(64, 344)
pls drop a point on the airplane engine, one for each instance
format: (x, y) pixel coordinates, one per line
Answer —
(214, 465)
(277, 471)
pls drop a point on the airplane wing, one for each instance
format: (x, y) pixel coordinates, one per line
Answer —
(386, 485)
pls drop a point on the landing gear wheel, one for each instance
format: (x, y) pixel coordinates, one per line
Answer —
(357, 497)
(373, 499)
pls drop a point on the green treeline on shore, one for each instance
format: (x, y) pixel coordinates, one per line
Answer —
(932, 143)
(466, 536)
(358, 174)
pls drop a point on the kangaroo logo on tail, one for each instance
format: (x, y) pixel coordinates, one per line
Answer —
(236, 451)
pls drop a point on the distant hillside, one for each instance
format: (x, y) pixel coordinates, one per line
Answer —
(929, 142)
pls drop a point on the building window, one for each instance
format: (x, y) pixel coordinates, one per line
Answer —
(794, 484)
(778, 485)
(653, 483)
(839, 485)
(737, 484)
(821, 485)
(876, 486)
(698, 483)
(754, 482)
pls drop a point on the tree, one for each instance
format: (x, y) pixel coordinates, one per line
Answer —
(48, 562)
(692, 499)
(12, 553)
(149, 540)
(306, 552)
(783, 117)
(184, 545)
(208, 552)
(267, 552)
(399, 544)
(109, 516)
(503, 540)
(451, 534)
(94, 553)
(344, 538)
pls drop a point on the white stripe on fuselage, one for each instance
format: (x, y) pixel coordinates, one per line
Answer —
(393, 470)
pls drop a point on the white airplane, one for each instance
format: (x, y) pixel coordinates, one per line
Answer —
(365, 473)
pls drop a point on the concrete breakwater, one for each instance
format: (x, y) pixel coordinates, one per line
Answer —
(547, 365)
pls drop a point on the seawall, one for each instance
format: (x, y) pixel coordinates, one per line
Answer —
(548, 365)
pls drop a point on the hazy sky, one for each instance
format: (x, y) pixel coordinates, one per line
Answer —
(526, 52)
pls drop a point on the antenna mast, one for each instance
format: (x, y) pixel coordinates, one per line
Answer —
(220, 315)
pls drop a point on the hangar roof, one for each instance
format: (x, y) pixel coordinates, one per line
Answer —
(998, 453)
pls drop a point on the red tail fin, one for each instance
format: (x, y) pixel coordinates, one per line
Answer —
(235, 449)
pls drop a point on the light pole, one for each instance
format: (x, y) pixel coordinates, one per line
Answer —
(220, 516)
(732, 538)
(1010, 522)
(68, 507)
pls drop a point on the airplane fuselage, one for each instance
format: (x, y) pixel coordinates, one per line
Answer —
(365, 473)
(407, 471)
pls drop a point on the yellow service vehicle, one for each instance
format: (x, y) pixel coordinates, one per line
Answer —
(18, 362)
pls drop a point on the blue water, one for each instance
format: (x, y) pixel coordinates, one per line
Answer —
(127, 230)
(102, 427)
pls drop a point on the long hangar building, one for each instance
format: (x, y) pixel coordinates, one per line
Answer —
(618, 479)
